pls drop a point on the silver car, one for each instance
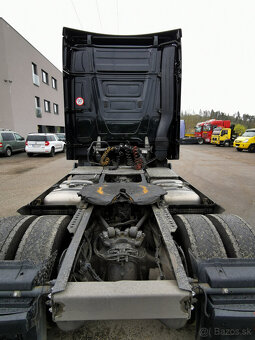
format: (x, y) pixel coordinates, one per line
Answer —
(47, 143)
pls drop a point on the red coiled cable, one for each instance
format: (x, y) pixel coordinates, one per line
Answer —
(137, 159)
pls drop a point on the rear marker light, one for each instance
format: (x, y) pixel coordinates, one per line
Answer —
(26, 143)
(1, 145)
(47, 143)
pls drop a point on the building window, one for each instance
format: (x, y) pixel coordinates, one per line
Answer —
(55, 108)
(45, 77)
(34, 68)
(37, 102)
(39, 128)
(50, 129)
(38, 110)
(46, 106)
(35, 77)
(54, 83)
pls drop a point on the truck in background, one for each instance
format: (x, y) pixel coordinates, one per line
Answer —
(212, 124)
(246, 141)
(186, 138)
(194, 138)
(223, 136)
(199, 131)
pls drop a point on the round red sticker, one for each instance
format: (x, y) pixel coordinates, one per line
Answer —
(79, 101)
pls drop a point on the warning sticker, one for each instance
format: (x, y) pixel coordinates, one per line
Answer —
(79, 101)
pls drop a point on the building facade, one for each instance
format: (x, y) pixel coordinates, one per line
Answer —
(31, 87)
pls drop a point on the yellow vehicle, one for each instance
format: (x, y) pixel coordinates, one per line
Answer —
(223, 136)
(246, 141)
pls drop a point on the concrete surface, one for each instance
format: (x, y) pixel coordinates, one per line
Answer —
(226, 176)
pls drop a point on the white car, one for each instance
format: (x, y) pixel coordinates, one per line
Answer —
(47, 143)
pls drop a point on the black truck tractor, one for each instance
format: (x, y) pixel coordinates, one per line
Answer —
(122, 236)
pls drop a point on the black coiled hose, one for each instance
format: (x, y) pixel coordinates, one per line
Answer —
(129, 158)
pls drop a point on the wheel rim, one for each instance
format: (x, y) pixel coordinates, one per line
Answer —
(8, 152)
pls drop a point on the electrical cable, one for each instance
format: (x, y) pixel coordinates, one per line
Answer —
(105, 160)
(99, 16)
(76, 13)
(117, 10)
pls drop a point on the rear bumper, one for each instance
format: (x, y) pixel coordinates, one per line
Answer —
(38, 149)
(122, 300)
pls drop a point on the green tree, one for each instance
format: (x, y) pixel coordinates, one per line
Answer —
(239, 129)
(246, 121)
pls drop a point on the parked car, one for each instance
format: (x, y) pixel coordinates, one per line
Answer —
(11, 142)
(47, 143)
(246, 141)
(61, 136)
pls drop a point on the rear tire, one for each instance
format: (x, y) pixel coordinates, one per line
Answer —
(12, 230)
(44, 238)
(64, 149)
(237, 235)
(197, 233)
(227, 143)
(239, 241)
(200, 141)
(52, 152)
(8, 152)
(29, 154)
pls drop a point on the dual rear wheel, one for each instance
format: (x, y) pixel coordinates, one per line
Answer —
(39, 240)
(213, 236)
(32, 238)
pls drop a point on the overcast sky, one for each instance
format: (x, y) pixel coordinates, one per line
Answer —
(218, 39)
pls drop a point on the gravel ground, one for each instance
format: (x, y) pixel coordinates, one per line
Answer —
(125, 330)
(224, 175)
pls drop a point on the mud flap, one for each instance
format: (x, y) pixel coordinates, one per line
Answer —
(226, 307)
(22, 313)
